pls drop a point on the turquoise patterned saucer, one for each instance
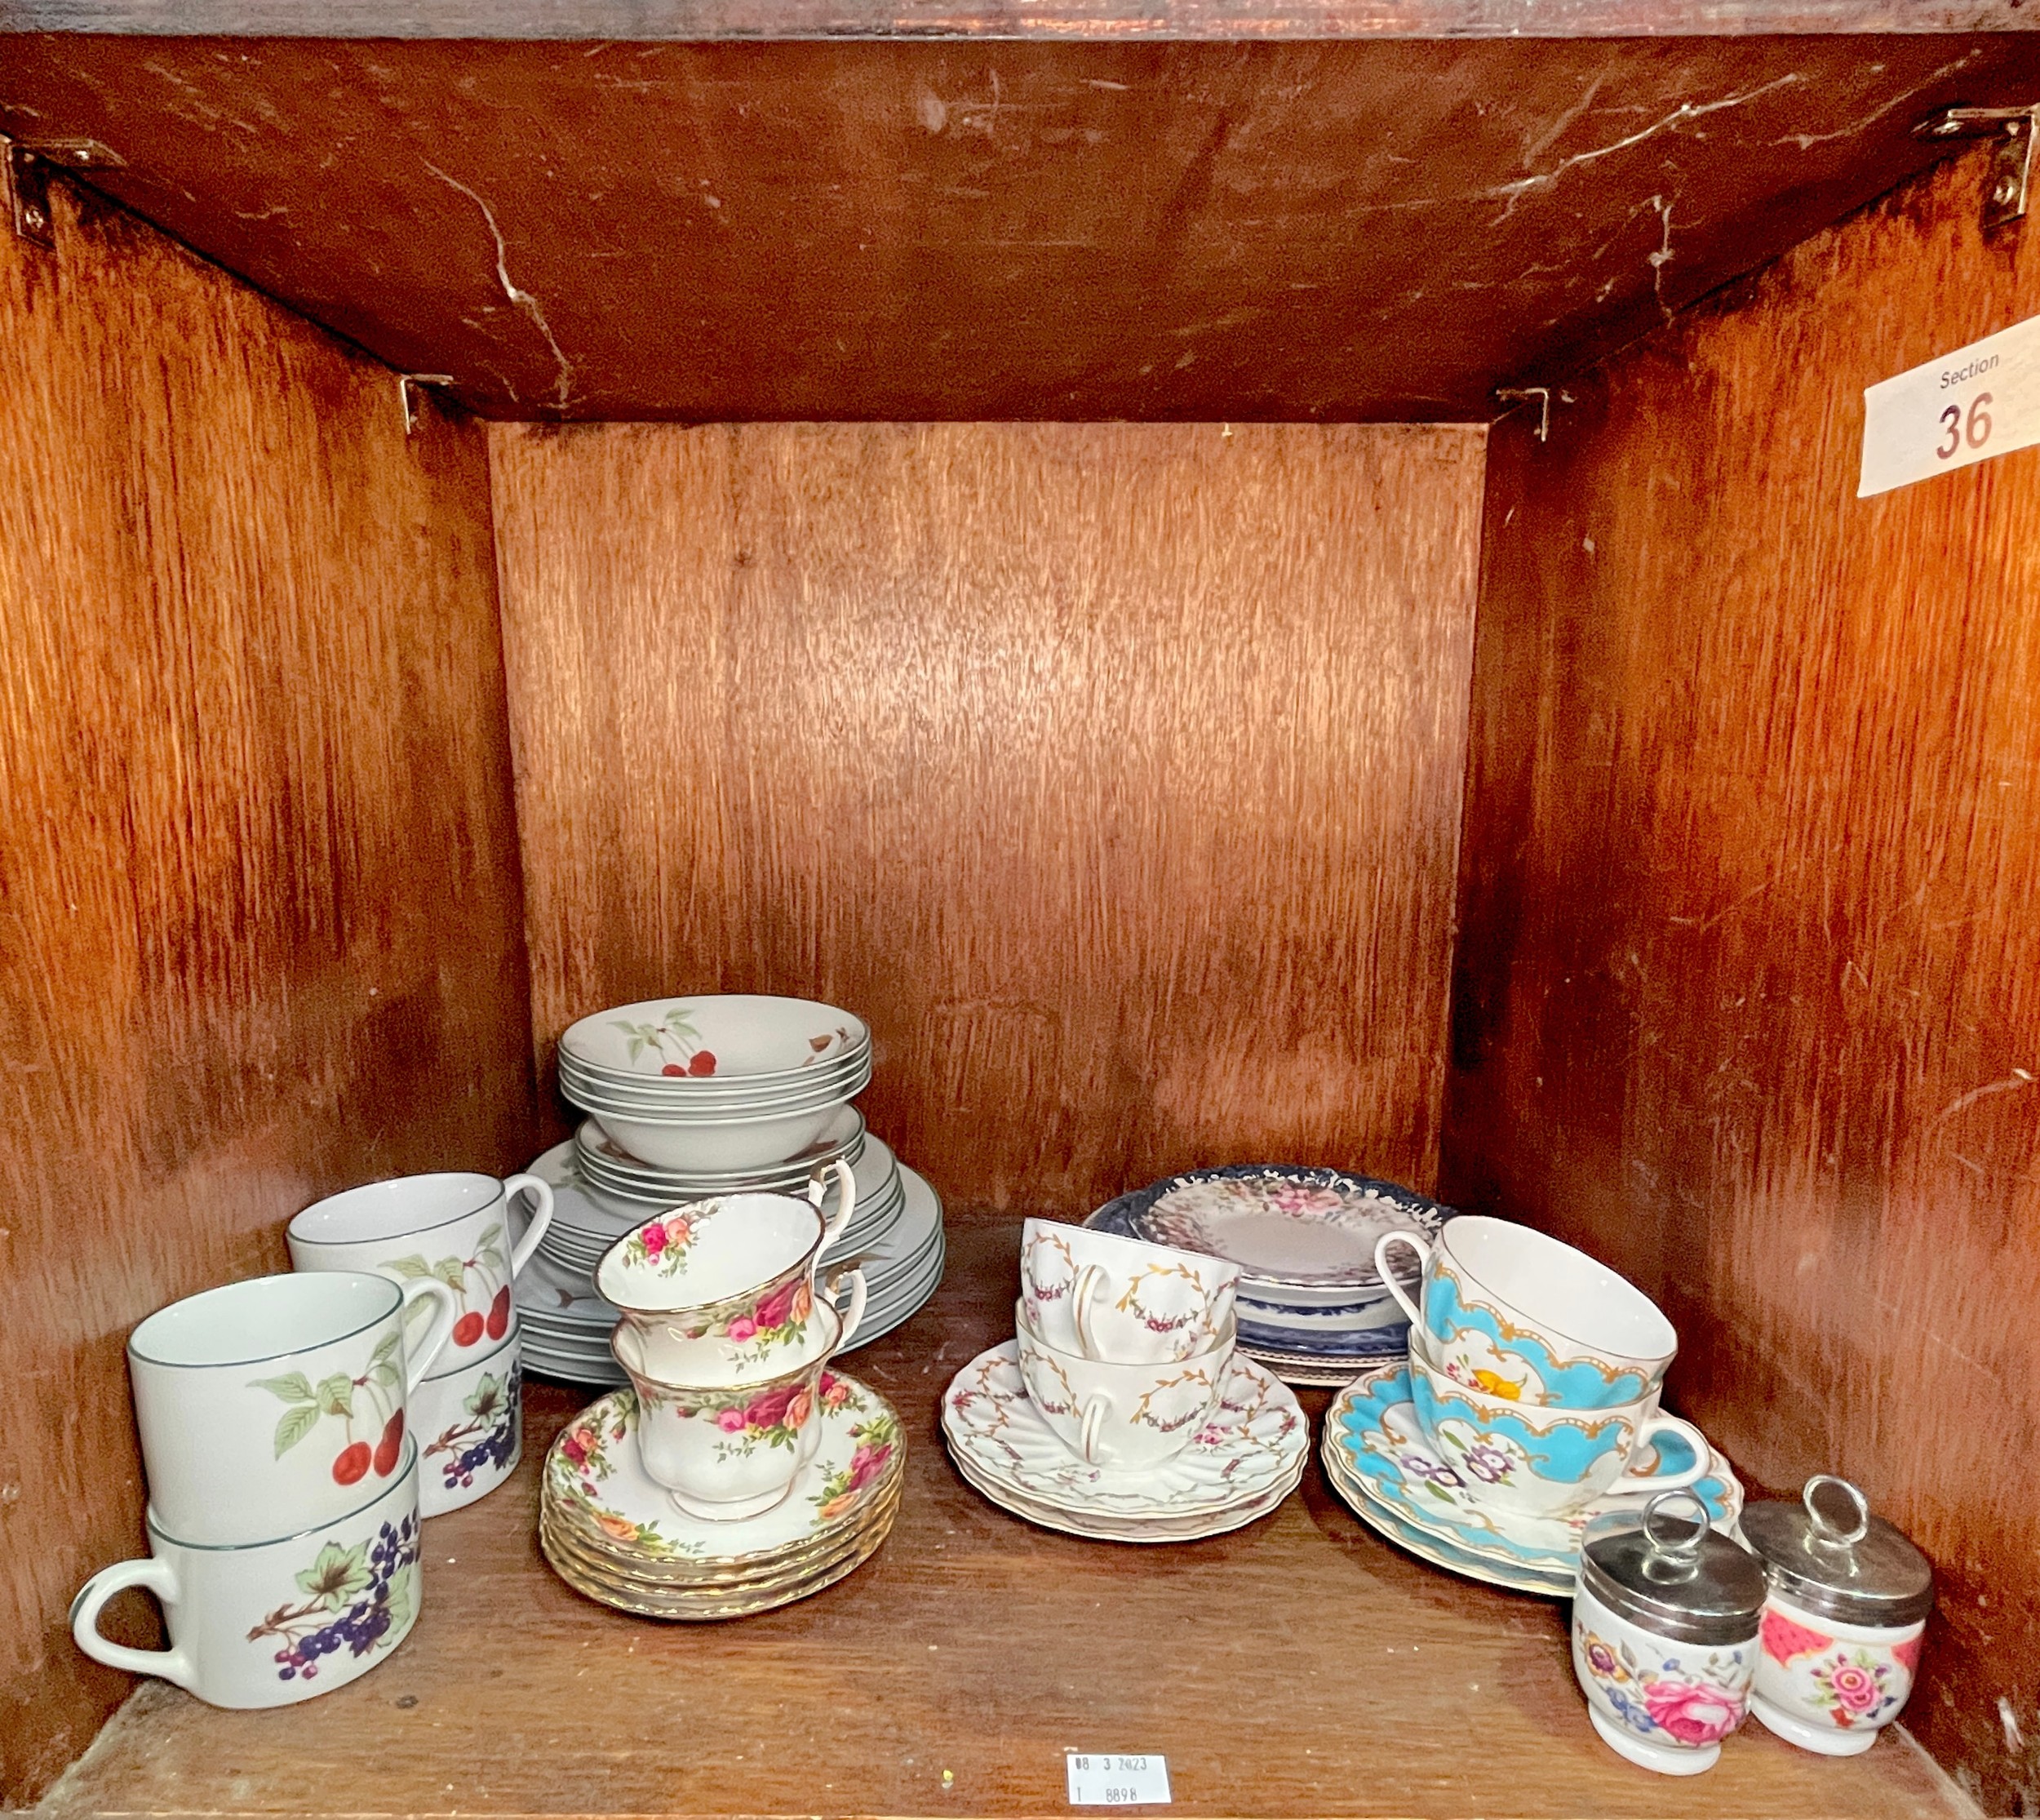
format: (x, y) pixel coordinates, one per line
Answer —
(1426, 1547)
(1371, 1432)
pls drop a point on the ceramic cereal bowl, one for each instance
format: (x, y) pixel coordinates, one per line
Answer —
(718, 1045)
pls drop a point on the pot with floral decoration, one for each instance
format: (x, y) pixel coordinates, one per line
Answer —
(1849, 1596)
(1666, 1614)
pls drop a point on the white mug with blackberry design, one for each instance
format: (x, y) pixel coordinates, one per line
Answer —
(453, 1224)
(271, 1624)
(269, 1406)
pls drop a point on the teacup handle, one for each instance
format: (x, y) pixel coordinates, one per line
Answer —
(1089, 1281)
(418, 1363)
(859, 1293)
(152, 1575)
(1422, 1249)
(1097, 1406)
(1703, 1458)
(838, 1171)
(541, 1193)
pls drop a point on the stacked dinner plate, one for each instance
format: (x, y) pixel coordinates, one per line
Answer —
(614, 1534)
(718, 1083)
(1311, 1307)
(895, 1232)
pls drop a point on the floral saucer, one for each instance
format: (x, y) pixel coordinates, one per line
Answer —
(1427, 1547)
(1285, 1227)
(594, 1477)
(1252, 1442)
(1372, 1426)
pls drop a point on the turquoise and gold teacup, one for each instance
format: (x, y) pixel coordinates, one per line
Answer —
(1515, 1314)
(1540, 1461)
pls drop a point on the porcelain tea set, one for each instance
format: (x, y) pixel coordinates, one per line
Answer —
(1523, 1444)
(1122, 1409)
(738, 1469)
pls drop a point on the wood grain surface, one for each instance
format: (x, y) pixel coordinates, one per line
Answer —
(709, 19)
(998, 230)
(1111, 772)
(1298, 1667)
(1749, 989)
(259, 921)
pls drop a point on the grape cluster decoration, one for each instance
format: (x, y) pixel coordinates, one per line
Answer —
(358, 1598)
(488, 1438)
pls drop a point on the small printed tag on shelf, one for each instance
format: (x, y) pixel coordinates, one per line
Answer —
(1104, 1780)
(1980, 400)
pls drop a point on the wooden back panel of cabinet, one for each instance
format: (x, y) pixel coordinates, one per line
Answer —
(1112, 771)
(258, 864)
(1749, 975)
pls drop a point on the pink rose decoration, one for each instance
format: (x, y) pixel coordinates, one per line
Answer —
(772, 1309)
(1783, 1640)
(836, 1393)
(769, 1409)
(743, 1328)
(799, 1410)
(1854, 1687)
(1692, 1712)
(730, 1421)
(654, 1239)
(867, 1463)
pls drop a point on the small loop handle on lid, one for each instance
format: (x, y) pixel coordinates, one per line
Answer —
(1673, 1555)
(1823, 1532)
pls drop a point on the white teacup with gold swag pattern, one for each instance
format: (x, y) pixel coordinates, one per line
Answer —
(1104, 1297)
(1115, 1415)
(269, 1406)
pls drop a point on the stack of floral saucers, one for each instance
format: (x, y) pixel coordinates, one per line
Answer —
(614, 1534)
(1122, 1409)
(1312, 1305)
(740, 1470)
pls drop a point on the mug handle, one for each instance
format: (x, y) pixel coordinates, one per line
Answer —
(541, 1192)
(838, 1171)
(859, 1293)
(152, 1575)
(1096, 1407)
(416, 1364)
(1660, 1424)
(1381, 1267)
(1089, 1281)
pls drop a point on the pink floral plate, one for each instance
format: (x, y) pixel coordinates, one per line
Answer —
(594, 1477)
(1252, 1442)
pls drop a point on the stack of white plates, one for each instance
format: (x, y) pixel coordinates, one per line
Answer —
(721, 1084)
(895, 1234)
(1311, 1307)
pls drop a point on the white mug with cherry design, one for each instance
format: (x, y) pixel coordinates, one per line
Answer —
(454, 1225)
(270, 1406)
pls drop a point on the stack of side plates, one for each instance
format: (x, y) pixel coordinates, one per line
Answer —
(895, 1235)
(613, 1534)
(1311, 1307)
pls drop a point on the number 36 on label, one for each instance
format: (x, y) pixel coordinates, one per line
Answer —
(1980, 400)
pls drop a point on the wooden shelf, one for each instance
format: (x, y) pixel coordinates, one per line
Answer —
(1300, 1667)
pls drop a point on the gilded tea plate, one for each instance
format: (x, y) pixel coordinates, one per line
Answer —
(1252, 1442)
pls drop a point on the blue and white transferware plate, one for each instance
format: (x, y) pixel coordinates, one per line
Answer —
(1287, 1228)
(1426, 1546)
(1371, 1425)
